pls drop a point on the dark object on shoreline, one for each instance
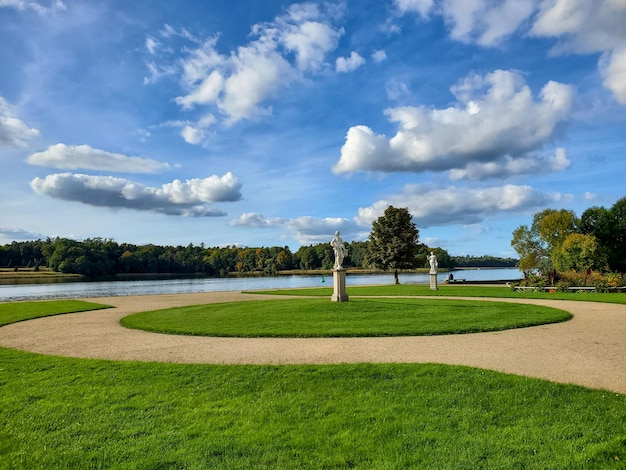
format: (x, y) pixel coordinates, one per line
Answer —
(465, 281)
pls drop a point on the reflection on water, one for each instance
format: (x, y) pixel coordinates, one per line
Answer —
(81, 289)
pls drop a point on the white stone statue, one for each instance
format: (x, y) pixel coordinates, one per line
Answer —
(432, 260)
(340, 250)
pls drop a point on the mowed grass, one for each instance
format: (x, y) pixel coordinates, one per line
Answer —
(63, 413)
(476, 291)
(358, 317)
(18, 311)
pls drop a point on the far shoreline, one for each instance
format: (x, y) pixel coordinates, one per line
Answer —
(27, 275)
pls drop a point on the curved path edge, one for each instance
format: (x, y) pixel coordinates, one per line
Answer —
(589, 350)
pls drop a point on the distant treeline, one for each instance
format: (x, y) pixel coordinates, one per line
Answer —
(105, 257)
(483, 261)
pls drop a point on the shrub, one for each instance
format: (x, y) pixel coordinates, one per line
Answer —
(616, 279)
(582, 279)
(602, 285)
(563, 286)
(533, 280)
(563, 281)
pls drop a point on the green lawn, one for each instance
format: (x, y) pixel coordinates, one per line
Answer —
(61, 413)
(65, 413)
(451, 290)
(18, 311)
(358, 317)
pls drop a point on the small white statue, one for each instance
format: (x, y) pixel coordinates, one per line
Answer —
(340, 250)
(432, 260)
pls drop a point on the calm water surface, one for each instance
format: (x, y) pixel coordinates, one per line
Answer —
(84, 289)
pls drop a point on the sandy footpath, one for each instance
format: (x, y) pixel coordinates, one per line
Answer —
(589, 350)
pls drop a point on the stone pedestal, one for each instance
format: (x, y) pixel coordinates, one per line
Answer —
(339, 286)
(433, 281)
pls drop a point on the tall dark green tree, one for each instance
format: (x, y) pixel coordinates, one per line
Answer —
(617, 236)
(393, 241)
(357, 253)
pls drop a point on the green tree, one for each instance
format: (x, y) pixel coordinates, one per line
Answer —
(308, 257)
(579, 252)
(597, 221)
(357, 253)
(554, 226)
(617, 236)
(608, 226)
(325, 255)
(467, 261)
(57, 253)
(532, 252)
(393, 241)
(246, 260)
(282, 257)
(539, 246)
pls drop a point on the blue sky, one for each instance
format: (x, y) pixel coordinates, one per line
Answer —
(258, 123)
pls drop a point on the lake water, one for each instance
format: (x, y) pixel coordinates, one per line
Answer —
(85, 289)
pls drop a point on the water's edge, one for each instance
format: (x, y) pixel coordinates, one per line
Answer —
(82, 289)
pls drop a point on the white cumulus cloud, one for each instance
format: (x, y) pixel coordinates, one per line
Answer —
(306, 32)
(379, 56)
(254, 219)
(349, 64)
(422, 7)
(306, 229)
(13, 132)
(578, 26)
(239, 84)
(434, 206)
(192, 134)
(73, 157)
(311, 230)
(582, 26)
(187, 198)
(496, 118)
(585, 26)
(503, 168)
(613, 68)
(485, 22)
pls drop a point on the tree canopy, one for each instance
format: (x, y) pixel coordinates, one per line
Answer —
(558, 240)
(394, 241)
(106, 257)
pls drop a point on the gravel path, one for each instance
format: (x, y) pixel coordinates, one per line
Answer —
(589, 350)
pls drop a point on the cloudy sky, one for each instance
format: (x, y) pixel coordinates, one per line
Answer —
(264, 123)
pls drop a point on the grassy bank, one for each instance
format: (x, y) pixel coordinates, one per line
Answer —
(10, 274)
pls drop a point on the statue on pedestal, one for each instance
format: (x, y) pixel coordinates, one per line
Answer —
(339, 274)
(339, 249)
(432, 260)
